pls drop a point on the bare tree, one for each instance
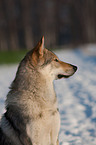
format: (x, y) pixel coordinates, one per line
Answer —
(86, 11)
(12, 24)
(27, 22)
(47, 19)
(3, 37)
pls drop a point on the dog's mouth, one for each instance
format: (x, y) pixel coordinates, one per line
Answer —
(60, 76)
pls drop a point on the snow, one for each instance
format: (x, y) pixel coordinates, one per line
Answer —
(89, 51)
(76, 97)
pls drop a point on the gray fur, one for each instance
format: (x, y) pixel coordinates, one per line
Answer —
(31, 104)
(23, 88)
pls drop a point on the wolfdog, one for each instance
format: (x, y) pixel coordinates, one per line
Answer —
(32, 116)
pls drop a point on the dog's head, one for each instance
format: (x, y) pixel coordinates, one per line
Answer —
(48, 64)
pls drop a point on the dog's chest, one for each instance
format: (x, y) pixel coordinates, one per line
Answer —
(43, 124)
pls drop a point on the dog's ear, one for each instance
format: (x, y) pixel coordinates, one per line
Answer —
(40, 46)
(38, 51)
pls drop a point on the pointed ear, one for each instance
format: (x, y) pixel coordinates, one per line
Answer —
(38, 51)
(41, 48)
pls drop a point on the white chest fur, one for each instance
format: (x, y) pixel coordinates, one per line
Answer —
(44, 129)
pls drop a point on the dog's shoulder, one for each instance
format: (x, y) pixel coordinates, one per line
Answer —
(3, 139)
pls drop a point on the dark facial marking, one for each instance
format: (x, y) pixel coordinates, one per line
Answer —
(47, 62)
(56, 60)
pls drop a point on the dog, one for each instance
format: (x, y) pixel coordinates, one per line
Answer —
(32, 116)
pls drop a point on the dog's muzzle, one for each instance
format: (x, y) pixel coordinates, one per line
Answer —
(67, 76)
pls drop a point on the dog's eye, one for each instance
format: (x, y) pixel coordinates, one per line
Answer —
(56, 60)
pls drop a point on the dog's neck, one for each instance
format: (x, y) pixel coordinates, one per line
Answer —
(37, 88)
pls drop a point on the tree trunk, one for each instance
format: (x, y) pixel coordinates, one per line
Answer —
(3, 37)
(86, 12)
(12, 24)
(27, 22)
(47, 21)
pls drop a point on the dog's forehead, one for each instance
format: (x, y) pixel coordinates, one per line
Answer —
(49, 54)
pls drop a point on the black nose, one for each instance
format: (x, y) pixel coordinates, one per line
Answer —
(74, 67)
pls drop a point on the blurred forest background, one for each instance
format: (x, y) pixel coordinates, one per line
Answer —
(62, 22)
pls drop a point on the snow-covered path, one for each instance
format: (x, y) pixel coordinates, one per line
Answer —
(76, 98)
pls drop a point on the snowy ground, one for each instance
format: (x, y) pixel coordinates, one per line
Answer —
(76, 98)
